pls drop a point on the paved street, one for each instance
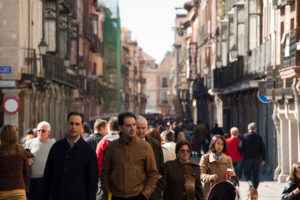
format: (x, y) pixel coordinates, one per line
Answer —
(268, 190)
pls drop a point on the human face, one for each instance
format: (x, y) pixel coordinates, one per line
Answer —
(142, 128)
(219, 146)
(75, 126)
(103, 130)
(129, 127)
(184, 153)
(43, 132)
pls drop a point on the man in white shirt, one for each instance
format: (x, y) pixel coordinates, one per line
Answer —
(39, 147)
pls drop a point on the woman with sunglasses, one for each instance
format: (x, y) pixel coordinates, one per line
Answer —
(215, 166)
(181, 178)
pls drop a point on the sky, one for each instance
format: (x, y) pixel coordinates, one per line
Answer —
(151, 23)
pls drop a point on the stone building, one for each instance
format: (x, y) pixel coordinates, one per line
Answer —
(282, 85)
(133, 65)
(51, 61)
(230, 47)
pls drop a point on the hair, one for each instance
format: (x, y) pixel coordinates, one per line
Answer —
(9, 139)
(252, 126)
(213, 142)
(170, 136)
(141, 119)
(43, 123)
(70, 114)
(292, 175)
(29, 131)
(154, 133)
(123, 116)
(99, 123)
(113, 124)
(234, 130)
(182, 143)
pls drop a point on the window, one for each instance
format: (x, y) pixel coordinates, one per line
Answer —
(164, 82)
(292, 24)
(281, 29)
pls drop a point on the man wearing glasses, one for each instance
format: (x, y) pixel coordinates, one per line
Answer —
(71, 169)
(39, 147)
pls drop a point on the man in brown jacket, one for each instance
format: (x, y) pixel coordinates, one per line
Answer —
(130, 171)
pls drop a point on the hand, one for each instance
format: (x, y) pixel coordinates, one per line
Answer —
(263, 163)
(296, 191)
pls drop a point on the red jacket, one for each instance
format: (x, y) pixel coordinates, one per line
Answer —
(232, 148)
(101, 147)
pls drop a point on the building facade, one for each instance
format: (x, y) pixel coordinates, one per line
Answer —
(52, 59)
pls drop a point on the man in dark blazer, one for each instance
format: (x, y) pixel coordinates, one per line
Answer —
(71, 168)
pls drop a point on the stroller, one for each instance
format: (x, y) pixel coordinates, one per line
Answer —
(226, 190)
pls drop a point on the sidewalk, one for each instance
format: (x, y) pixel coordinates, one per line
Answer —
(267, 190)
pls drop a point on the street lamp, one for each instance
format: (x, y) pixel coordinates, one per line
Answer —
(43, 45)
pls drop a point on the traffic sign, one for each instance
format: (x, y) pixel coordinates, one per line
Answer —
(5, 69)
(11, 105)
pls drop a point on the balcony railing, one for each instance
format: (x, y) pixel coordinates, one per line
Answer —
(30, 73)
(229, 75)
(96, 44)
(55, 70)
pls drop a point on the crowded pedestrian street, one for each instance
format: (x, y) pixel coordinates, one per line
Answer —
(150, 100)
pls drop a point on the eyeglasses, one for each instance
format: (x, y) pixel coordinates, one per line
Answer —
(185, 151)
(42, 130)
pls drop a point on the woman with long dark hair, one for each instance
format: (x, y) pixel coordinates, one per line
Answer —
(215, 166)
(13, 165)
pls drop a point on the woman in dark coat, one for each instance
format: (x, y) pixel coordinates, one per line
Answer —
(292, 189)
(181, 178)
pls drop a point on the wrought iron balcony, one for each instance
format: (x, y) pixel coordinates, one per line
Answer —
(55, 70)
(96, 44)
(229, 75)
(30, 73)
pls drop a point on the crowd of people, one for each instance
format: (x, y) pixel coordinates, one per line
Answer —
(128, 158)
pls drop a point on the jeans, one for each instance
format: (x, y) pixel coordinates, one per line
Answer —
(238, 168)
(251, 171)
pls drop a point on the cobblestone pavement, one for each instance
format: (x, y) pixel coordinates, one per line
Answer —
(267, 190)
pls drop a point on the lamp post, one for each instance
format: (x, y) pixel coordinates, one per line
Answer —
(43, 45)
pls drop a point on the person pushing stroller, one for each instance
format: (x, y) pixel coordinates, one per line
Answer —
(216, 167)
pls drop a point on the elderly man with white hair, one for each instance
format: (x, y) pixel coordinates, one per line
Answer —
(39, 147)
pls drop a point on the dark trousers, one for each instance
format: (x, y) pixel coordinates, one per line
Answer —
(238, 168)
(251, 171)
(36, 189)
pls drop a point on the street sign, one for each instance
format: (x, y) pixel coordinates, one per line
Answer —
(5, 69)
(11, 105)
(7, 84)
